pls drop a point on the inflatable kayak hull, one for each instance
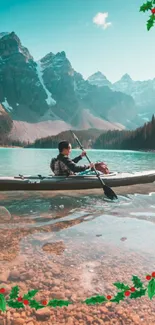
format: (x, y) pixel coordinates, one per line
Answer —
(55, 183)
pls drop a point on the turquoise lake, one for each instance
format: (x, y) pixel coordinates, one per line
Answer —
(36, 161)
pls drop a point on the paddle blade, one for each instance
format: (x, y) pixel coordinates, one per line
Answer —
(109, 192)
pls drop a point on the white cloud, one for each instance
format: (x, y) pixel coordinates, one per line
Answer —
(100, 20)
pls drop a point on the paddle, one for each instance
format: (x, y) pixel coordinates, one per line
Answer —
(107, 190)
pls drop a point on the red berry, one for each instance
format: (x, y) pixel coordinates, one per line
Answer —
(2, 290)
(44, 302)
(109, 297)
(153, 274)
(127, 293)
(19, 299)
(148, 277)
(153, 11)
(132, 289)
(25, 302)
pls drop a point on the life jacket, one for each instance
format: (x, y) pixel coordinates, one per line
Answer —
(59, 168)
(52, 164)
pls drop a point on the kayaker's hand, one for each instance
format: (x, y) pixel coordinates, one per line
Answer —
(83, 154)
(92, 165)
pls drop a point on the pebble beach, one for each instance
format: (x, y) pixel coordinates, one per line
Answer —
(66, 254)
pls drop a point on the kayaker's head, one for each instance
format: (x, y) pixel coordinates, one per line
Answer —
(64, 148)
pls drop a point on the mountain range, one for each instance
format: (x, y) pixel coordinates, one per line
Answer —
(143, 92)
(46, 97)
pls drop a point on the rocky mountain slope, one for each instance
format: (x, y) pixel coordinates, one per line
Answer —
(5, 125)
(51, 90)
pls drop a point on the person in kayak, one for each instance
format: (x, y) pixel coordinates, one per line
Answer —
(63, 165)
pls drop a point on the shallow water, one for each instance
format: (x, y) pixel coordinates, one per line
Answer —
(133, 216)
(75, 246)
(72, 247)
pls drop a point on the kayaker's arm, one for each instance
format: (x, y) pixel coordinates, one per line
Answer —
(77, 159)
(71, 165)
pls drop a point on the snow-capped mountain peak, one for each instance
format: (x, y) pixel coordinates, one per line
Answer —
(126, 78)
(99, 79)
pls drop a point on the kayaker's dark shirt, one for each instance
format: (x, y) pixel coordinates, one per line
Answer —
(64, 166)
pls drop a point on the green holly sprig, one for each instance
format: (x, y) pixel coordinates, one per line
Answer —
(124, 291)
(16, 301)
(149, 6)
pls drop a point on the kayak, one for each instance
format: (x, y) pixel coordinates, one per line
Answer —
(77, 182)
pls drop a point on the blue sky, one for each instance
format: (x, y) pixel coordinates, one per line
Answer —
(45, 26)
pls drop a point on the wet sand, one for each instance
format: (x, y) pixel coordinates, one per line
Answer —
(70, 260)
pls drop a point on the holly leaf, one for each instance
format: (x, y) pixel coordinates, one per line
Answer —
(118, 297)
(58, 303)
(121, 286)
(14, 293)
(138, 294)
(15, 304)
(2, 303)
(35, 304)
(30, 294)
(151, 288)
(95, 300)
(146, 6)
(137, 282)
(150, 22)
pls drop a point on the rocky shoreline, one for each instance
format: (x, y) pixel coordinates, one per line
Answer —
(61, 264)
(69, 279)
